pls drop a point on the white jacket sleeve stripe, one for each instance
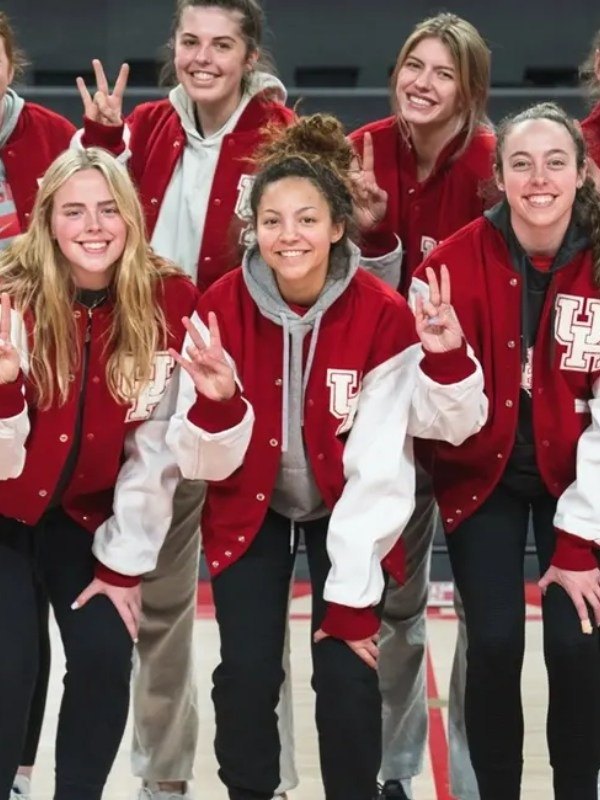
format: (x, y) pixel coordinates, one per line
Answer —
(130, 540)
(378, 497)
(15, 430)
(578, 509)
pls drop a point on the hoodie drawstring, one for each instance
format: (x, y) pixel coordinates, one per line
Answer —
(285, 398)
(309, 361)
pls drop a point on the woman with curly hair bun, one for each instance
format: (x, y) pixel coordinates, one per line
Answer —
(330, 359)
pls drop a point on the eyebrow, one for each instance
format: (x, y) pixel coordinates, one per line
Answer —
(299, 211)
(547, 153)
(435, 66)
(82, 205)
(214, 38)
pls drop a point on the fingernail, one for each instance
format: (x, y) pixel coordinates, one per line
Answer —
(75, 605)
(135, 641)
(586, 626)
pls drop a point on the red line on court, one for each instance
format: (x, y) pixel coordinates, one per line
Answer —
(438, 742)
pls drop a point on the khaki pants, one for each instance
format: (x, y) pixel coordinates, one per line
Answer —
(402, 663)
(165, 706)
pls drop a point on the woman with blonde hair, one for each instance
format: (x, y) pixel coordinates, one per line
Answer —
(426, 171)
(87, 387)
(590, 75)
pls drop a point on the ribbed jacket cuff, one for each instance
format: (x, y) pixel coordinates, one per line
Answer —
(110, 137)
(12, 400)
(214, 416)
(450, 367)
(574, 553)
(108, 575)
(350, 624)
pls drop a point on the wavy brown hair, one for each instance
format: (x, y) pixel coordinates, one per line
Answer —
(38, 279)
(587, 70)
(16, 57)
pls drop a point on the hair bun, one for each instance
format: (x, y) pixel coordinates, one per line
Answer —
(318, 138)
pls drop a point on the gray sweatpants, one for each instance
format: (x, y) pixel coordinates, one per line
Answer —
(402, 663)
(165, 706)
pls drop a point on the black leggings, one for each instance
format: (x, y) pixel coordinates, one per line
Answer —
(56, 555)
(487, 554)
(251, 601)
(38, 701)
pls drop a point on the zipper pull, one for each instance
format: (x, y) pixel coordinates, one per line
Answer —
(88, 327)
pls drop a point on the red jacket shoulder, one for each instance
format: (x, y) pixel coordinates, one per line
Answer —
(455, 250)
(180, 290)
(39, 116)
(151, 113)
(478, 158)
(379, 128)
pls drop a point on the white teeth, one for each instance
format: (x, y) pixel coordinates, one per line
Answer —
(420, 101)
(540, 200)
(291, 253)
(94, 247)
(202, 77)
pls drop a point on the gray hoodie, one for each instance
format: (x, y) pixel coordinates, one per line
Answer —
(13, 105)
(296, 495)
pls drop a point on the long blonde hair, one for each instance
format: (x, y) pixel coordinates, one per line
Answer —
(471, 57)
(38, 279)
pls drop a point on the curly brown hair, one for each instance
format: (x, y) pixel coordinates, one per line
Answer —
(316, 148)
(16, 57)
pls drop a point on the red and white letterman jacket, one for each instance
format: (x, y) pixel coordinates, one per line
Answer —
(122, 485)
(486, 294)
(157, 140)
(365, 399)
(38, 138)
(423, 213)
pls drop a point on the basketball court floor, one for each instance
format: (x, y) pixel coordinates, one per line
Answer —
(432, 785)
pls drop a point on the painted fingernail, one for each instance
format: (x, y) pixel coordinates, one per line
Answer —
(75, 605)
(586, 626)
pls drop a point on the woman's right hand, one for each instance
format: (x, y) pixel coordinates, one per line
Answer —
(369, 199)
(582, 587)
(105, 107)
(206, 363)
(10, 363)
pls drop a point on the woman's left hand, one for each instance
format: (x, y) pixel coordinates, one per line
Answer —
(126, 599)
(369, 199)
(436, 321)
(366, 649)
(207, 366)
(582, 587)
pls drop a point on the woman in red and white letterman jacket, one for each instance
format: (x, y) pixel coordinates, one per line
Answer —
(31, 137)
(426, 172)
(190, 156)
(329, 358)
(87, 388)
(525, 282)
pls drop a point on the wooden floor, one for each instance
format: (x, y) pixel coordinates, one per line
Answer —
(432, 785)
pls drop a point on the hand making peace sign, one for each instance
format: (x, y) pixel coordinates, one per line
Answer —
(436, 321)
(105, 106)
(10, 363)
(370, 201)
(212, 374)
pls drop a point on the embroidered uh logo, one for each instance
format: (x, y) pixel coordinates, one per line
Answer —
(152, 393)
(578, 328)
(343, 396)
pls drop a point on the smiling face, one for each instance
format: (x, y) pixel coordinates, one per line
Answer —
(540, 177)
(295, 231)
(427, 90)
(88, 228)
(211, 56)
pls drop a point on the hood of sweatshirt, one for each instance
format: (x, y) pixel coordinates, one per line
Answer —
(13, 105)
(296, 495)
(184, 106)
(574, 241)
